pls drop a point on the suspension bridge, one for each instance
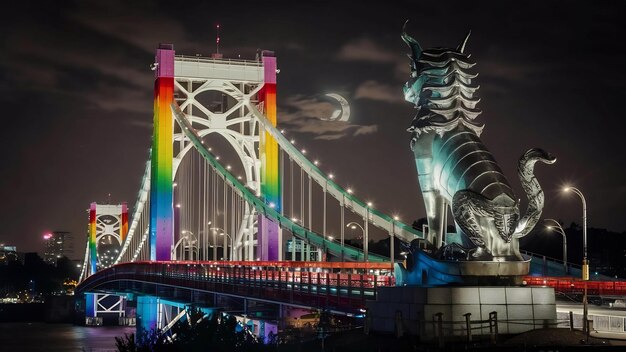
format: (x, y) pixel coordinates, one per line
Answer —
(232, 215)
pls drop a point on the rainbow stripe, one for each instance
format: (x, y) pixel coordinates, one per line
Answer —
(161, 196)
(269, 235)
(124, 229)
(93, 253)
(270, 176)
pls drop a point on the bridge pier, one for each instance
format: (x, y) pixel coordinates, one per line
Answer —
(147, 316)
(90, 307)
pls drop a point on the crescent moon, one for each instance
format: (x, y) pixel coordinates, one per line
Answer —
(344, 113)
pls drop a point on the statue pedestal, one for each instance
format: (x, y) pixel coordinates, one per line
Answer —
(413, 310)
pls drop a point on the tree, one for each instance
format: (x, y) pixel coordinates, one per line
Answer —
(216, 332)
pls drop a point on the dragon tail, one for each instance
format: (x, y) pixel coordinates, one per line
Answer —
(526, 167)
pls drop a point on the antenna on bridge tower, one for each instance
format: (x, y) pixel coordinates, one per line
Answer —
(216, 54)
(217, 39)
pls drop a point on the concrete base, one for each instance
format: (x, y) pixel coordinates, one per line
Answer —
(412, 309)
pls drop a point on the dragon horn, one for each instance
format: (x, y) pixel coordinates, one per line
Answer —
(461, 47)
(412, 43)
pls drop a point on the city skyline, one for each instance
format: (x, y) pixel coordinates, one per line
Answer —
(76, 83)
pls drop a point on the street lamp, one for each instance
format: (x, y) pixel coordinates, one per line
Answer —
(560, 230)
(367, 237)
(231, 244)
(585, 273)
(223, 232)
(392, 240)
(186, 239)
(353, 225)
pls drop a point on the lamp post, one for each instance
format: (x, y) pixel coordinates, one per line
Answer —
(231, 244)
(585, 273)
(223, 232)
(353, 225)
(366, 239)
(392, 240)
(189, 243)
(204, 238)
(560, 230)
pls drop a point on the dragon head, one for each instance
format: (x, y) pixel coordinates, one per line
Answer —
(426, 68)
(441, 87)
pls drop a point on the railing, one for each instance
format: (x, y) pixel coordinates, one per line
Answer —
(576, 286)
(212, 60)
(541, 256)
(442, 331)
(298, 283)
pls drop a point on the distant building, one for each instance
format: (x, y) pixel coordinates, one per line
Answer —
(8, 254)
(58, 244)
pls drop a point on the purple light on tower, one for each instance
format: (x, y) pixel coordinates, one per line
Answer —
(268, 239)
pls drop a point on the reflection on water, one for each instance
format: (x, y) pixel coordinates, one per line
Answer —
(59, 337)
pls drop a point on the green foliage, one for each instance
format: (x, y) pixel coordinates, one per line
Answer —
(201, 333)
(46, 278)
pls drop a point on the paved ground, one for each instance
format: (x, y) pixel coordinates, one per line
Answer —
(577, 308)
(557, 337)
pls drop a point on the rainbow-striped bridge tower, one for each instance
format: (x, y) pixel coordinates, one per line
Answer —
(245, 86)
(161, 190)
(269, 233)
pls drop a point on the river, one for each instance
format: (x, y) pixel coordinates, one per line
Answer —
(59, 337)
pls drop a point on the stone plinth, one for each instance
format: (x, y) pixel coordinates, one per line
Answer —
(412, 309)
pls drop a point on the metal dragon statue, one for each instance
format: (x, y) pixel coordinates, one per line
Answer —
(454, 167)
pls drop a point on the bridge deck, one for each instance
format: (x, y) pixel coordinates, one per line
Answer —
(307, 284)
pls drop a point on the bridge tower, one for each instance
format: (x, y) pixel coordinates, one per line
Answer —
(243, 85)
(108, 226)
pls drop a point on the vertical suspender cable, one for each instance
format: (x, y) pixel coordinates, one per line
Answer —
(310, 205)
(301, 196)
(232, 221)
(225, 223)
(214, 198)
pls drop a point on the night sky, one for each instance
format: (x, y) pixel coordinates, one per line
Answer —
(76, 95)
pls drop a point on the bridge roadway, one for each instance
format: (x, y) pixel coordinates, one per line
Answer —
(341, 287)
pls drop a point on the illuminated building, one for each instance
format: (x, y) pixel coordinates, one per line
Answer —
(7, 254)
(58, 244)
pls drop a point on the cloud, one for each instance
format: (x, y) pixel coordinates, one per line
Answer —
(379, 91)
(143, 123)
(366, 130)
(118, 20)
(304, 114)
(43, 62)
(71, 64)
(364, 49)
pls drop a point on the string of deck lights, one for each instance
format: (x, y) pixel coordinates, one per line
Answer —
(331, 176)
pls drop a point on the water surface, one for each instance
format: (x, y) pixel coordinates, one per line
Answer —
(59, 337)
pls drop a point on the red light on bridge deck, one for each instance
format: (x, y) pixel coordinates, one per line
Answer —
(47, 236)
